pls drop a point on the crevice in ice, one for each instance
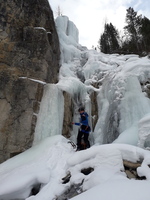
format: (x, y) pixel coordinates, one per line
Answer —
(35, 190)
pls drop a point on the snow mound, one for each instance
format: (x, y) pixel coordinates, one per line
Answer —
(49, 161)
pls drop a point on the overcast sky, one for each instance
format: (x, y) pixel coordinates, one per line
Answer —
(90, 15)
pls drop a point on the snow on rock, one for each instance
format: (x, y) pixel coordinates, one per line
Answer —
(43, 163)
(35, 80)
(108, 180)
(50, 160)
(117, 189)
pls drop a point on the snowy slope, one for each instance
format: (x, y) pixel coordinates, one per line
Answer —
(123, 120)
(49, 161)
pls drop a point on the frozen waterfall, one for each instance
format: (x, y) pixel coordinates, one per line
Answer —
(50, 117)
(116, 82)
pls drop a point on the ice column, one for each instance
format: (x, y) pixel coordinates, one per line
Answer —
(50, 117)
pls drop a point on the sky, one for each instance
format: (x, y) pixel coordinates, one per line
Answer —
(90, 16)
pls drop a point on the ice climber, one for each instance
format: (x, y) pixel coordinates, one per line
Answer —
(84, 130)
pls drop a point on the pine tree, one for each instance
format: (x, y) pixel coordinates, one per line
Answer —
(114, 38)
(145, 32)
(132, 30)
(104, 47)
(109, 40)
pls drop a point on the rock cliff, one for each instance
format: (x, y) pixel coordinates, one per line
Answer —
(29, 52)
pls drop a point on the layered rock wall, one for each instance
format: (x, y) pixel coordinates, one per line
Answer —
(29, 47)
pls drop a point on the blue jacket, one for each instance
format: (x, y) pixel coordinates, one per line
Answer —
(84, 126)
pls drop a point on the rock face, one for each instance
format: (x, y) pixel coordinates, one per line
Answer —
(67, 115)
(29, 41)
(94, 110)
(29, 47)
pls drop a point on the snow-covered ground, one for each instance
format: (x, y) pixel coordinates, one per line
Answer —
(51, 160)
(123, 121)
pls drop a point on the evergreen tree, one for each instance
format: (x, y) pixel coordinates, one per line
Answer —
(132, 30)
(103, 43)
(109, 40)
(145, 32)
(136, 37)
